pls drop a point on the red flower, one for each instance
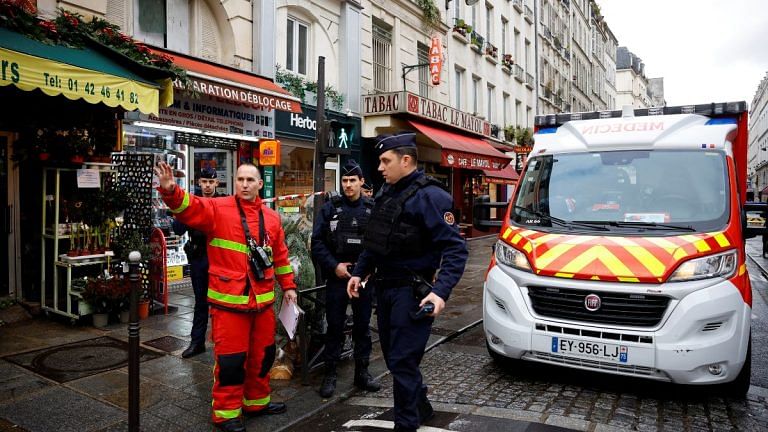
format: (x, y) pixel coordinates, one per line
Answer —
(125, 38)
(48, 26)
(73, 21)
(143, 49)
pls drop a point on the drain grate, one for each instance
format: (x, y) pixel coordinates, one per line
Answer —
(167, 343)
(77, 360)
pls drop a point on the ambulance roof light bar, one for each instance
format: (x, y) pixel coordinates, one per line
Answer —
(713, 109)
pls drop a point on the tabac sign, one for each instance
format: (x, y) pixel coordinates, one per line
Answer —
(435, 59)
(404, 102)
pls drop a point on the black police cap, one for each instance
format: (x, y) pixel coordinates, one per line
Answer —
(352, 168)
(208, 173)
(389, 142)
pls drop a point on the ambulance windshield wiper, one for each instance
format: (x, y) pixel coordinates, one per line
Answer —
(648, 225)
(560, 222)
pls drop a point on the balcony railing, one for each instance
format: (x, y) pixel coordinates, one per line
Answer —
(528, 14)
(529, 80)
(476, 40)
(517, 70)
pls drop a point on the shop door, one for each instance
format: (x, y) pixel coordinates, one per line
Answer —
(8, 264)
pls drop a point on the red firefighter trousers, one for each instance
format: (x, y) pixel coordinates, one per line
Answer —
(244, 346)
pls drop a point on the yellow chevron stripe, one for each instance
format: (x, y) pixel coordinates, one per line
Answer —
(527, 233)
(547, 257)
(545, 238)
(516, 238)
(595, 278)
(601, 253)
(647, 259)
(507, 232)
(564, 275)
(742, 269)
(528, 248)
(679, 254)
(628, 279)
(663, 243)
(722, 240)
(700, 244)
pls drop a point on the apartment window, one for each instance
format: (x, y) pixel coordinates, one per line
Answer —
(489, 109)
(296, 46)
(459, 79)
(504, 30)
(527, 54)
(475, 95)
(457, 9)
(505, 109)
(382, 55)
(518, 112)
(488, 21)
(516, 47)
(474, 18)
(423, 57)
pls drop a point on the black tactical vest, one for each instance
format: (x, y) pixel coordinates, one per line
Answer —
(346, 240)
(389, 232)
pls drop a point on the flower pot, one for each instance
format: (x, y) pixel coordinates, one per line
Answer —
(143, 309)
(100, 320)
(125, 316)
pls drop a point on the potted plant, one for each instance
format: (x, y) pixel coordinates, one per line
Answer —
(79, 144)
(97, 294)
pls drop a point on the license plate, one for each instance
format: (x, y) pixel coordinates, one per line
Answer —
(594, 350)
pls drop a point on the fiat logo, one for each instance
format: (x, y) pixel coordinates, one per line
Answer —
(592, 302)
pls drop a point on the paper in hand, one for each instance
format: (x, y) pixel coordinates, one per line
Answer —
(289, 316)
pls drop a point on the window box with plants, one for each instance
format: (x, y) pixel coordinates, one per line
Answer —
(491, 52)
(477, 41)
(304, 89)
(461, 28)
(507, 62)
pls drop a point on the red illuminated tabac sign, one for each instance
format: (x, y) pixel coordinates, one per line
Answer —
(436, 59)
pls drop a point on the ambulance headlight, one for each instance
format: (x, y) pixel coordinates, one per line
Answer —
(719, 265)
(510, 256)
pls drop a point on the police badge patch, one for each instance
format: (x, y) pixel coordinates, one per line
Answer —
(448, 218)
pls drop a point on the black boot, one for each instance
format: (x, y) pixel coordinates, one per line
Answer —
(231, 425)
(193, 349)
(329, 381)
(363, 379)
(426, 412)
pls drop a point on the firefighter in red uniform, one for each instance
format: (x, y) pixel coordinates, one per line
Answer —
(246, 251)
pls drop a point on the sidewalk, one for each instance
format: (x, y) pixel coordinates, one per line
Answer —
(81, 382)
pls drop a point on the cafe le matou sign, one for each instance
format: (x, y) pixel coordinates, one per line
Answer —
(436, 59)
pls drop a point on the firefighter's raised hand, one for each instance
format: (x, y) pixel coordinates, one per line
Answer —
(164, 174)
(290, 295)
(353, 286)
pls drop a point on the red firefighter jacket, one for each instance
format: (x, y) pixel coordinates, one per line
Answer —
(220, 220)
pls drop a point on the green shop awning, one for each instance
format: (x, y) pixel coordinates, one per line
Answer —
(75, 73)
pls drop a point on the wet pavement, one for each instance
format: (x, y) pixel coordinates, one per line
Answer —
(175, 393)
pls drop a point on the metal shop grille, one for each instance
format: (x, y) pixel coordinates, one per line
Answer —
(617, 308)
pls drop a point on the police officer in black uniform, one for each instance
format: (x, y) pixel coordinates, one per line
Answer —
(411, 234)
(196, 250)
(337, 240)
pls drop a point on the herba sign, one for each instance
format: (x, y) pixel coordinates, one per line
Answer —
(435, 59)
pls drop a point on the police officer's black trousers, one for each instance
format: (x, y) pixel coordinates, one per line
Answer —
(198, 272)
(403, 341)
(336, 301)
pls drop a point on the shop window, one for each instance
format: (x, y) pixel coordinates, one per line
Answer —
(297, 34)
(294, 176)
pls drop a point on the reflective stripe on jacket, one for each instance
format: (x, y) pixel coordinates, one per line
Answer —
(220, 220)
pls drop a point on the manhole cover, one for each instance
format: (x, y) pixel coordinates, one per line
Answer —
(167, 343)
(80, 359)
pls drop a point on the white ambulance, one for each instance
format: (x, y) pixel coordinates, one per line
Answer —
(622, 249)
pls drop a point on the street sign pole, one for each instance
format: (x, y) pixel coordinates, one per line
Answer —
(321, 136)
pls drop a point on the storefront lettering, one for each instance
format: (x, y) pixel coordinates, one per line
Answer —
(242, 96)
(52, 80)
(10, 70)
(223, 112)
(381, 104)
(303, 122)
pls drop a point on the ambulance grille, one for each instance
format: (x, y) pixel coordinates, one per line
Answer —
(638, 310)
(596, 365)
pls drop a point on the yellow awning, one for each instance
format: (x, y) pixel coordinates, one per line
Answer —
(76, 74)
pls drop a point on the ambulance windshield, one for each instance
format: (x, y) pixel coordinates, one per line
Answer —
(659, 190)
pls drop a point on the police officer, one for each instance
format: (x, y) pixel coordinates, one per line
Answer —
(412, 232)
(337, 240)
(368, 190)
(196, 249)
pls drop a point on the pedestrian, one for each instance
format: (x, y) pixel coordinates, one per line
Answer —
(368, 190)
(246, 252)
(337, 240)
(411, 234)
(196, 250)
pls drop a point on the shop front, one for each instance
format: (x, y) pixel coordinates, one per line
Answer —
(297, 132)
(219, 124)
(453, 146)
(60, 105)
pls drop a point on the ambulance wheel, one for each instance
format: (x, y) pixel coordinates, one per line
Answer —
(739, 387)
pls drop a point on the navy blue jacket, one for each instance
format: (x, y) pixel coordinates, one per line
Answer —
(429, 207)
(322, 252)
